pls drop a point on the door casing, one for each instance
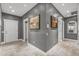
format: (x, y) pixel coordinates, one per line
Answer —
(25, 30)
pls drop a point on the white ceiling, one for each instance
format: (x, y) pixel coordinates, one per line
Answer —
(66, 8)
(18, 9)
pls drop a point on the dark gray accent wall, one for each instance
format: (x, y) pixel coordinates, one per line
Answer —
(52, 37)
(12, 17)
(39, 37)
(0, 22)
(69, 35)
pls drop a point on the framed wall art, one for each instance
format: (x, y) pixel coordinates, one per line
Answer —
(72, 27)
(34, 23)
(53, 22)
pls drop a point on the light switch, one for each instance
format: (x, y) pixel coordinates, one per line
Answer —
(47, 34)
(47, 25)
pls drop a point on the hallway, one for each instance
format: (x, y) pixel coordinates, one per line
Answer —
(65, 48)
(39, 29)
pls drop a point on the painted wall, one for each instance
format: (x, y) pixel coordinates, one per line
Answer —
(12, 17)
(69, 35)
(78, 21)
(0, 22)
(52, 37)
(39, 38)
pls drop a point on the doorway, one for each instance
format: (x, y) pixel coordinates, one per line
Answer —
(25, 30)
(70, 28)
(60, 29)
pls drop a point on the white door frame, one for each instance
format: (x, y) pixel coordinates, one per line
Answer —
(24, 24)
(4, 31)
(60, 30)
(63, 29)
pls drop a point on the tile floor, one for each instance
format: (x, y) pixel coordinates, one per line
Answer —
(65, 48)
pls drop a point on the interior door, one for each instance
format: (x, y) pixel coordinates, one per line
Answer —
(60, 29)
(10, 30)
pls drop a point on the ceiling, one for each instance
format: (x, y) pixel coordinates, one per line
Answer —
(19, 9)
(66, 8)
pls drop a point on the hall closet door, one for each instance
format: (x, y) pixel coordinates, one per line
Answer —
(10, 30)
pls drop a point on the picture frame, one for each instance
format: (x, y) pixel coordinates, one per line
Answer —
(34, 23)
(53, 22)
(72, 27)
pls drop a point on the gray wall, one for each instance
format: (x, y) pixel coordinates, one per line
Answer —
(52, 37)
(12, 17)
(39, 37)
(0, 22)
(78, 21)
(69, 35)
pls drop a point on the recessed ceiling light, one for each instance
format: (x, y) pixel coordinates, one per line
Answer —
(67, 11)
(55, 15)
(10, 6)
(25, 5)
(62, 4)
(12, 10)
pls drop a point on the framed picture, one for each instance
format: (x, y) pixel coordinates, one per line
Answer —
(53, 22)
(72, 27)
(35, 22)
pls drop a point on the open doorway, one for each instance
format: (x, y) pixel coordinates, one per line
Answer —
(25, 30)
(70, 28)
(60, 29)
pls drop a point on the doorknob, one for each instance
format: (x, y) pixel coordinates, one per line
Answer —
(47, 25)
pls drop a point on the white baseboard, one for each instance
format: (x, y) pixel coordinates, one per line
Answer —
(22, 40)
(7, 42)
(2, 43)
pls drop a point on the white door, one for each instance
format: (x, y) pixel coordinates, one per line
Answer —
(60, 29)
(10, 30)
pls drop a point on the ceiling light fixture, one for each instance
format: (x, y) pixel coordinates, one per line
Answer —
(10, 6)
(12, 10)
(67, 11)
(62, 4)
(25, 5)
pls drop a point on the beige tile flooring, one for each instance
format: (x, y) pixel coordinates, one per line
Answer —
(20, 49)
(65, 48)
